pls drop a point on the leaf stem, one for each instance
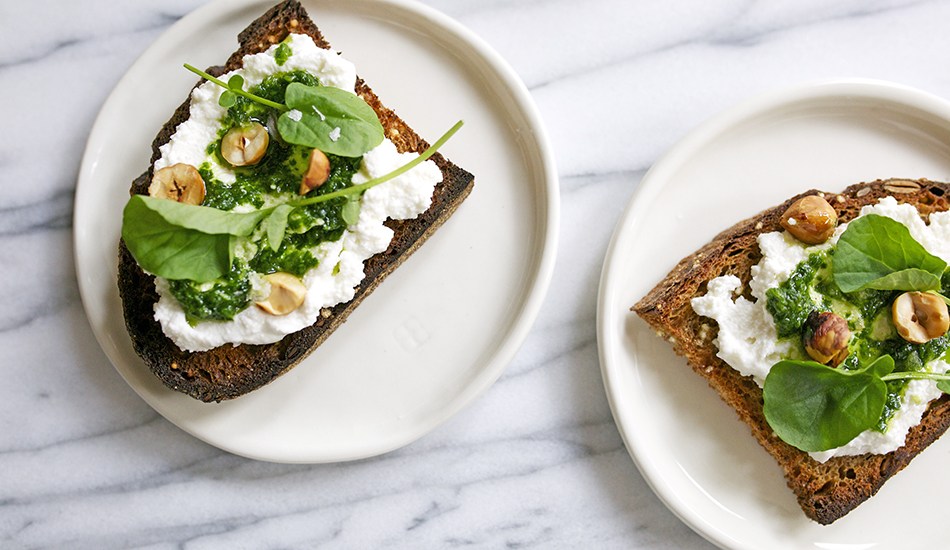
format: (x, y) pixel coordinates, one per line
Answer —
(238, 91)
(915, 376)
(376, 181)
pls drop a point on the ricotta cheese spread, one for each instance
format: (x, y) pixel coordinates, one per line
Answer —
(340, 262)
(748, 340)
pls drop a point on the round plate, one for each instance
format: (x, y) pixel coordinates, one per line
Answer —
(442, 328)
(691, 448)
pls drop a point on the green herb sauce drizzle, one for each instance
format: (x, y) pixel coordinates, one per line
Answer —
(276, 178)
(812, 287)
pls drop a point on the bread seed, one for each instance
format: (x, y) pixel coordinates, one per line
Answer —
(902, 186)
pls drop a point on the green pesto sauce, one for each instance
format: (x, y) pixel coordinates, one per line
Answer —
(225, 298)
(868, 312)
(282, 54)
(278, 174)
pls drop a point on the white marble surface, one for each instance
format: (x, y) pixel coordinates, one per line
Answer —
(537, 461)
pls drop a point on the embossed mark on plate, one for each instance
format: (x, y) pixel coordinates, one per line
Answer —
(411, 334)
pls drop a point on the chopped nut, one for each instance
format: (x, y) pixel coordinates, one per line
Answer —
(317, 173)
(825, 336)
(920, 316)
(178, 182)
(245, 145)
(810, 219)
(287, 293)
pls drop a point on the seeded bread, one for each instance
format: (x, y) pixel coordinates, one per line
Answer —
(826, 491)
(230, 371)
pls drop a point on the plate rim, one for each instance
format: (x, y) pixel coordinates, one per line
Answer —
(547, 225)
(652, 182)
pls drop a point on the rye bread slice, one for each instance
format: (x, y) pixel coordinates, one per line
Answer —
(230, 371)
(825, 491)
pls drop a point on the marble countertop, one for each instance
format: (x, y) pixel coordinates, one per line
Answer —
(537, 461)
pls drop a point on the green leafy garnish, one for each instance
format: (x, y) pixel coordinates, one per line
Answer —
(330, 119)
(351, 210)
(237, 89)
(181, 241)
(276, 224)
(818, 408)
(880, 253)
(320, 117)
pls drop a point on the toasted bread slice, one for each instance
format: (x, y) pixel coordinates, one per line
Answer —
(826, 491)
(230, 371)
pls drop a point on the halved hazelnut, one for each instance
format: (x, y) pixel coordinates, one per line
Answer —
(317, 173)
(178, 182)
(286, 294)
(810, 219)
(920, 316)
(825, 336)
(245, 145)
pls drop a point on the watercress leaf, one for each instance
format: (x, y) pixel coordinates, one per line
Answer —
(200, 218)
(169, 250)
(330, 119)
(358, 189)
(943, 385)
(818, 408)
(351, 210)
(880, 367)
(878, 252)
(236, 82)
(276, 225)
(227, 99)
(906, 279)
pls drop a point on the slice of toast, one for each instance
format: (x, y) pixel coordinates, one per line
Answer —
(826, 491)
(230, 371)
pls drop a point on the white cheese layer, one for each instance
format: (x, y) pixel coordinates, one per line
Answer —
(340, 267)
(748, 341)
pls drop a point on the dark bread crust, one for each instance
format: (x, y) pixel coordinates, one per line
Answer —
(230, 371)
(826, 491)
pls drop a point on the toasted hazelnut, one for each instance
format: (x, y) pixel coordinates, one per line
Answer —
(286, 294)
(825, 336)
(317, 173)
(245, 145)
(920, 316)
(178, 182)
(810, 219)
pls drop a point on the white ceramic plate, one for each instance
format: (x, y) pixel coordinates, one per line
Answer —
(695, 454)
(435, 334)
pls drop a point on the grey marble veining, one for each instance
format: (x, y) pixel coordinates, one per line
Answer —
(536, 462)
